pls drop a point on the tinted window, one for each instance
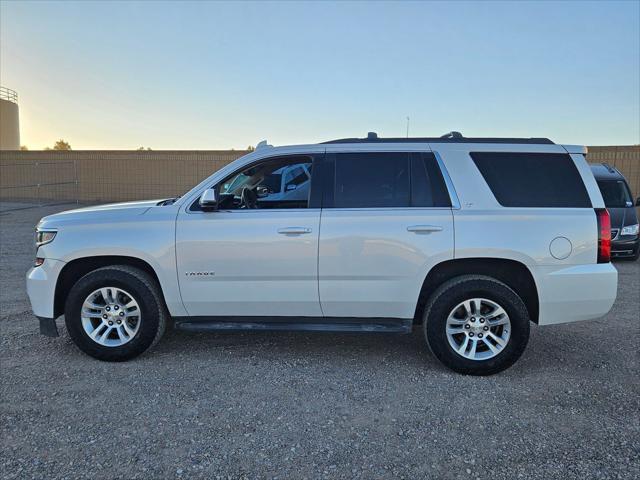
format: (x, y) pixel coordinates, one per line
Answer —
(532, 179)
(427, 185)
(615, 193)
(372, 180)
(388, 179)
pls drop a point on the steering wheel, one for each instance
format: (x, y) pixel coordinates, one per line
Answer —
(249, 198)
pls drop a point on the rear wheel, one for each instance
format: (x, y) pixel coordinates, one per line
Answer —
(476, 325)
(115, 313)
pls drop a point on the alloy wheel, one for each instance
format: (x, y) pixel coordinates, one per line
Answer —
(111, 316)
(478, 329)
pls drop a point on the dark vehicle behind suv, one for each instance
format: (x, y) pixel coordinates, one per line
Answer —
(625, 239)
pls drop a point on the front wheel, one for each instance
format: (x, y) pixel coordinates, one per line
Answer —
(476, 325)
(115, 313)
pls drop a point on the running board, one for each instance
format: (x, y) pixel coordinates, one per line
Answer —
(288, 324)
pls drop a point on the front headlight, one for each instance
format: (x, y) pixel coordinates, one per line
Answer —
(630, 230)
(44, 236)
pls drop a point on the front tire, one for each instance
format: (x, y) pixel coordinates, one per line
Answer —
(476, 325)
(115, 313)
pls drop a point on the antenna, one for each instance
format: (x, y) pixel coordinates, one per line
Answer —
(407, 127)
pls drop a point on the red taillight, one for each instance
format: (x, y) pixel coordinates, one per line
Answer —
(604, 235)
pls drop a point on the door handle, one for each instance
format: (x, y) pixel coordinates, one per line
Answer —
(294, 230)
(424, 228)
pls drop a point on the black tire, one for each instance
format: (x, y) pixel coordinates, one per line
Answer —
(146, 292)
(462, 288)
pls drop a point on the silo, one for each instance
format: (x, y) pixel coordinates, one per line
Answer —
(9, 124)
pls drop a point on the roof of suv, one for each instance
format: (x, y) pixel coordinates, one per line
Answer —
(604, 171)
(451, 137)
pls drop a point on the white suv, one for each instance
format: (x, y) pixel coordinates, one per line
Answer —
(471, 238)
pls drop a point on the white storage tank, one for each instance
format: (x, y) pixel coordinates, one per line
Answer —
(9, 122)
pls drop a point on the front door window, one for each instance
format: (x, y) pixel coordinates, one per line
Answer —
(276, 183)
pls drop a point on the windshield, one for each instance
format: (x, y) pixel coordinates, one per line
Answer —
(615, 193)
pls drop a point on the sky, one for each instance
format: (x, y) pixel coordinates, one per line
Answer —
(217, 75)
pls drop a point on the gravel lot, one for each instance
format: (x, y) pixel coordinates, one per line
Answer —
(266, 405)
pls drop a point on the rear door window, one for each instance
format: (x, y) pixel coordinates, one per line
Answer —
(387, 179)
(427, 184)
(533, 179)
(370, 180)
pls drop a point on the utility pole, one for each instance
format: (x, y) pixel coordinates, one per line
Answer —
(407, 127)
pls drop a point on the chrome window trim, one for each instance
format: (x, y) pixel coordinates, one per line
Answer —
(245, 210)
(368, 209)
(361, 209)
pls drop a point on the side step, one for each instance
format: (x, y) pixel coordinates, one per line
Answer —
(289, 324)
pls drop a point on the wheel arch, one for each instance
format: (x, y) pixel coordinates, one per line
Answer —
(513, 273)
(77, 268)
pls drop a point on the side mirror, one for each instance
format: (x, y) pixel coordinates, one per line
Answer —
(209, 200)
(291, 186)
(638, 202)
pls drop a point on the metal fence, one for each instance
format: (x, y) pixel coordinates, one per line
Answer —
(37, 184)
(8, 94)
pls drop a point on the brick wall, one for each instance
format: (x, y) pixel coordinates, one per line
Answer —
(110, 175)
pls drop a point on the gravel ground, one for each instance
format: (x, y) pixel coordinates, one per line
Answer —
(267, 405)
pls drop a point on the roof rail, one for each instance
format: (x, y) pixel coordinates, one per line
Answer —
(451, 137)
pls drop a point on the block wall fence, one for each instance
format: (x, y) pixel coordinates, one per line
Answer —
(110, 175)
(106, 175)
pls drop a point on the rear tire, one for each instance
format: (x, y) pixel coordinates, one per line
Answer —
(453, 318)
(129, 293)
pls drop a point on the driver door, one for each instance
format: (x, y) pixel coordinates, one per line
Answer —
(251, 262)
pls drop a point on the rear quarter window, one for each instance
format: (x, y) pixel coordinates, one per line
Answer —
(533, 179)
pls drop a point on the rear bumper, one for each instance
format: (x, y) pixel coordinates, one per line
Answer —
(575, 293)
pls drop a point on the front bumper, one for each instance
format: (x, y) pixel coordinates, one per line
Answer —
(625, 248)
(41, 287)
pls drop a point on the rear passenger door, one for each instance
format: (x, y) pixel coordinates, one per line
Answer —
(386, 220)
